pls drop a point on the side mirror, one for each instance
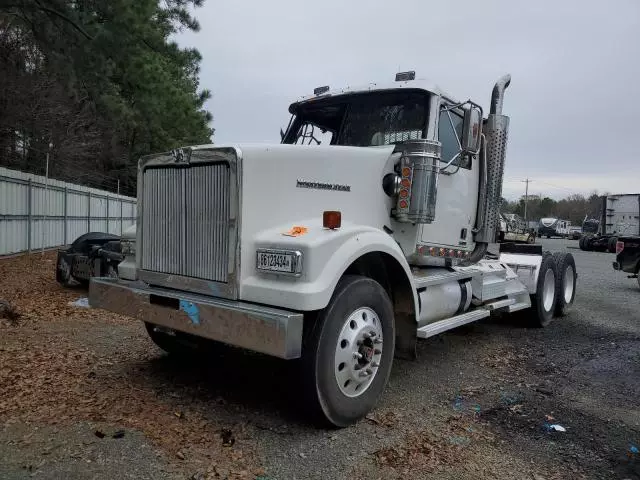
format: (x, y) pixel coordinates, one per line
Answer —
(471, 130)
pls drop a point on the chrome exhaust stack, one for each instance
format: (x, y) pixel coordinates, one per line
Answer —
(496, 129)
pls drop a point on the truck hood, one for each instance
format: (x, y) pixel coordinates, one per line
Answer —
(285, 183)
(292, 185)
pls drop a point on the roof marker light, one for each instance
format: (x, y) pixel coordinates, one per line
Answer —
(405, 76)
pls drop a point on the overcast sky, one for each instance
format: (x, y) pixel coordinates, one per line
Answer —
(574, 99)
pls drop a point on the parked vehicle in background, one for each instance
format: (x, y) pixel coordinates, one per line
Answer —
(94, 254)
(513, 228)
(620, 216)
(628, 256)
(575, 233)
(243, 244)
(590, 226)
(553, 227)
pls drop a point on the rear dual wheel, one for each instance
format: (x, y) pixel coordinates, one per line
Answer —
(543, 302)
(566, 282)
(555, 289)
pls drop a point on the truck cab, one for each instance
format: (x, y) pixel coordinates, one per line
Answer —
(384, 117)
(367, 228)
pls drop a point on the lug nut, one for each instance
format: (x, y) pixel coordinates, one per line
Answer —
(365, 374)
(357, 355)
(375, 364)
(377, 341)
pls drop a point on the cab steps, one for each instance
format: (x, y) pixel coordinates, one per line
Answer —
(483, 311)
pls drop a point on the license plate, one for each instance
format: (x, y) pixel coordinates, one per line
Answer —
(276, 262)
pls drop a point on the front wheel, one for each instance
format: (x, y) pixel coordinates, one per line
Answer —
(348, 356)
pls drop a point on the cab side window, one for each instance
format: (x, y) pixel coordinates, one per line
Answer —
(449, 134)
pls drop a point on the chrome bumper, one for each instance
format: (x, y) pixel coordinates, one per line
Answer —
(262, 329)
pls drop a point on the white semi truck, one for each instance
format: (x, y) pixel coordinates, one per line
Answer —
(366, 229)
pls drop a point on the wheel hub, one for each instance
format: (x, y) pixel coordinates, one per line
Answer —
(358, 352)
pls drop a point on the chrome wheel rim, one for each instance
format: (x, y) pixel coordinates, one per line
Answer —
(569, 284)
(358, 352)
(548, 290)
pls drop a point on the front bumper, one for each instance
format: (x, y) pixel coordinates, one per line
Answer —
(254, 327)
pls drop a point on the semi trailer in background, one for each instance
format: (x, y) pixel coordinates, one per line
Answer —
(619, 216)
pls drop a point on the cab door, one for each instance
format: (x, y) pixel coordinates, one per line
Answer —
(457, 196)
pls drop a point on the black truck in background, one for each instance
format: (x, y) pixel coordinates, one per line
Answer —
(94, 254)
(628, 256)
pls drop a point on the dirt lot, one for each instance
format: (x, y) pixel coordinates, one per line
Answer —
(85, 394)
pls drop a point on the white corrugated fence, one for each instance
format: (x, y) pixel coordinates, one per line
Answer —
(34, 212)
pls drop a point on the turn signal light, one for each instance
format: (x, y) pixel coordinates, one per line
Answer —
(331, 219)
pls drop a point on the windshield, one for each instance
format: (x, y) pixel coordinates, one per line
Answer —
(361, 120)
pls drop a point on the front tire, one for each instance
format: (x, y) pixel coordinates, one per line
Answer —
(63, 271)
(348, 356)
(566, 282)
(543, 302)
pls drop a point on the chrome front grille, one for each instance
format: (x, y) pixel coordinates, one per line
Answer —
(185, 221)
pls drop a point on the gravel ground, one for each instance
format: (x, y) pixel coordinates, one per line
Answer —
(473, 406)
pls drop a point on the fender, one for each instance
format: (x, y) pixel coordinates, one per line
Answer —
(326, 255)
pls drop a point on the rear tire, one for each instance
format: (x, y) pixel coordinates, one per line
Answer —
(588, 244)
(543, 302)
(565, 283)
(611, 244)
(345, 368)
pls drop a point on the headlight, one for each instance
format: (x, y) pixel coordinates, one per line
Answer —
(128, 247)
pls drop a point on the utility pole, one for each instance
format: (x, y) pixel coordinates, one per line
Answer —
(526, 196)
